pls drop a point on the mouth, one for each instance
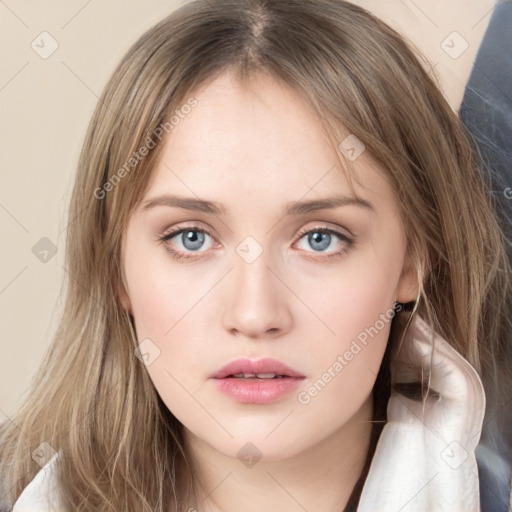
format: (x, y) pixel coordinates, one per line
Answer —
(263, 381)
(266, 368)
(257, 376)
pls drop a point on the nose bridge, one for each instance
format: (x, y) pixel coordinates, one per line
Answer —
(255, 304)
(253, 279)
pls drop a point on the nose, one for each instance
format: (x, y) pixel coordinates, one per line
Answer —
(256, 301)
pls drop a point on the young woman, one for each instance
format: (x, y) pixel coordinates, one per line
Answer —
(289, 287)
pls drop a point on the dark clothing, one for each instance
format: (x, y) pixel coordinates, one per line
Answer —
(486, 111)
(486, 108)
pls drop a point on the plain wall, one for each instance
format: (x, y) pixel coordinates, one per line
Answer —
(45, 107)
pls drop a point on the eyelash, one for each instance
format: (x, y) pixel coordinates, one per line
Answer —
(320, 229)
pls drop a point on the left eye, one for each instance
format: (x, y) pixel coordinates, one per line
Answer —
(321, 239)
(192, 239)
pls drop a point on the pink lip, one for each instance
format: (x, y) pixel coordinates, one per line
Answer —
(254, 390)
(266, 365)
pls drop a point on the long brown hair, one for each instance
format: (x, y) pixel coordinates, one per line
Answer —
(92, 399)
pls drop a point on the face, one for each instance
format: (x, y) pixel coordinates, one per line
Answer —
(271, 272)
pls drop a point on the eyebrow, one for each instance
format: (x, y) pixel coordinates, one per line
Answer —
(294, 208)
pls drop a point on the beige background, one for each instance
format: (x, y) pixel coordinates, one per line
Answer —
(45, 106)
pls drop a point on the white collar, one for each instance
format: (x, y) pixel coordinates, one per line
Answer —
(41, 494)
(425, 458)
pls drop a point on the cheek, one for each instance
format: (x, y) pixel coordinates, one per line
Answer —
(351, 301)
(161, 293)
(170, 310)
(356, 309)
(166, 313)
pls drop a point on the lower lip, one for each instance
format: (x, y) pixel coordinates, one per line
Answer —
(257, 391)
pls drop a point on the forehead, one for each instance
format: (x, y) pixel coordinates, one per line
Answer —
(263, 139)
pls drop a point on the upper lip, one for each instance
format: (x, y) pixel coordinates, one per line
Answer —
(266, 365)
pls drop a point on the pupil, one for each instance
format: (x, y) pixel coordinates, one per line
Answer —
(193, 239)
(322, 237)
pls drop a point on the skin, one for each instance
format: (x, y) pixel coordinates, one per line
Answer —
(254, 151)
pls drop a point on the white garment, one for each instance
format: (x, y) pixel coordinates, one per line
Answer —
(41, 494)
(425, 458)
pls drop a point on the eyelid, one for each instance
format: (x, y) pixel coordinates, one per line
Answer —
(170, 232)
(324, 228)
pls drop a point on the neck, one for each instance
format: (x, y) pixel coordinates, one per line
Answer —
(320, 478)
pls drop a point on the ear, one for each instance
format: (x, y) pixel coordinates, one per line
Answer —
(124, 298)
(409, 283)
(122, 286)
